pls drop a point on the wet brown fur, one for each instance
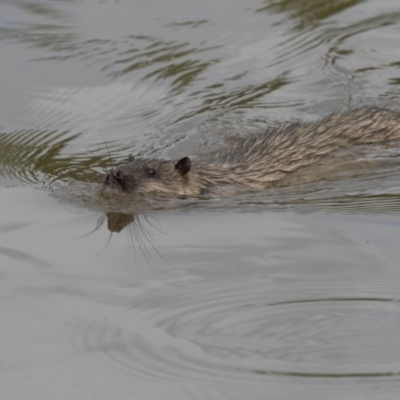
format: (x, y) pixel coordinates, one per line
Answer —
(262, 160)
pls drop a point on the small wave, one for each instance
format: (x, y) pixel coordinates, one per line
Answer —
(239, 333)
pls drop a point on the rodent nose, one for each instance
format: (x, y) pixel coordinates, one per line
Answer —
(116, 174)
(115, 178)
(113, 174)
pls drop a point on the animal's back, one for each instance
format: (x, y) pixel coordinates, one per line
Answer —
(261, 159)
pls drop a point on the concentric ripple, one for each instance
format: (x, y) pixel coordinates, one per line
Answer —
(238, 332)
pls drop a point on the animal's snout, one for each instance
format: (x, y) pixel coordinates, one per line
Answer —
(116, 174)
(113, 175)
(115, 179)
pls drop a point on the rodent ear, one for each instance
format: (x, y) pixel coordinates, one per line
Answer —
(183, 165)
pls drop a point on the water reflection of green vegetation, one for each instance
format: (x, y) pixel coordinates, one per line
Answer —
(43, 9)
(238, 98)
(308, 12)
(37, 156)
(180, 60)
(178, 63)
(191, 24)
(167, 59)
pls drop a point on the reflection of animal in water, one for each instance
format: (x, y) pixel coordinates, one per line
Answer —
(116, 221)
(138, 234)
(258, 161)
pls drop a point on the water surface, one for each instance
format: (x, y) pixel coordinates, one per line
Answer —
(289, 294)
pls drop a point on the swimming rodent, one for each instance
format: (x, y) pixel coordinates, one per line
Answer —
(258, 161)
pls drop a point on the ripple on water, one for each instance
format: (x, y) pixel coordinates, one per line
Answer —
(42, 157)
(237, 333)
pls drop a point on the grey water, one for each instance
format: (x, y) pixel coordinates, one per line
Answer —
(286, 294)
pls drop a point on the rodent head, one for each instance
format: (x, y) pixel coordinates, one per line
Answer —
(147, 176)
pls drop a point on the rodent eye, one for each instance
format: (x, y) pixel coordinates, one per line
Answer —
(151, 172)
